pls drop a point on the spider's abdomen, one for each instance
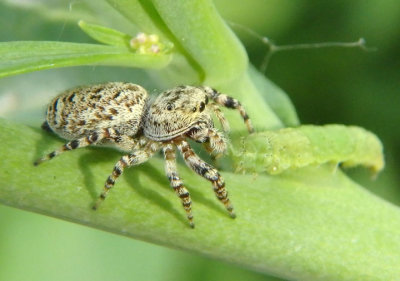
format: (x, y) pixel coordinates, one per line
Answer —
(81, 111)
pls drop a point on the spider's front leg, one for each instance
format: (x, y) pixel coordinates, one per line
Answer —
(217, 111)
(231, 103)
(214, 141)
(175, 181)
(208, 172)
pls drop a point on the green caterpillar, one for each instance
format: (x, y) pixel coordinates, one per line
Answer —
(290, 148)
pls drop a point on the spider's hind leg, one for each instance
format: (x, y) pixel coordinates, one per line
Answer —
(74, 144)
(93, 138)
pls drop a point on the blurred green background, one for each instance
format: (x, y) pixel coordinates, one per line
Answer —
(335, 85)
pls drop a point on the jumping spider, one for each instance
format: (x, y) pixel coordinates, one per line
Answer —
(122, 115)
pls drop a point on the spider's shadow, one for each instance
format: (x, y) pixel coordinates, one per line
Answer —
(94, 156)
(47, 139)
(131, 175)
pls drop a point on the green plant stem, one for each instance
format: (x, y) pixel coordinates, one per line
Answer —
(134, 11)
(198, 27)
(309, 224)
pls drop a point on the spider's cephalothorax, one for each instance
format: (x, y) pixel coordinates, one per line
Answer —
(122, 115)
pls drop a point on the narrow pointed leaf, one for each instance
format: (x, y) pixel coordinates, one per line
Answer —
(26, 56)
(105, 35)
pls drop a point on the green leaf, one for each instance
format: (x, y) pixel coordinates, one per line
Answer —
(309, 224)
(105, 35)
(26, 56)
(292, 148)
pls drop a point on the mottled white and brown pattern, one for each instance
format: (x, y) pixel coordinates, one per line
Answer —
(122, 115)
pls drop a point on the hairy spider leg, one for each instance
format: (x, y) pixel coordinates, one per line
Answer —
(74, 144)
(208, 172)
(214, 140)
(175, 181)
(232, 103)
(220, 115)
(93, 138)
(135, 158)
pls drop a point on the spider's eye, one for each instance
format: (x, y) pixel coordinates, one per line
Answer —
(194, 109)
(169, 107)
(202, 106)
(206, 100)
